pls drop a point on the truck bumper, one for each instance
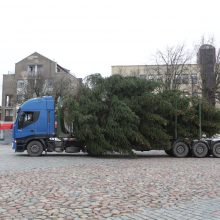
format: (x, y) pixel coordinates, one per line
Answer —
(18, 145)
(14, 145)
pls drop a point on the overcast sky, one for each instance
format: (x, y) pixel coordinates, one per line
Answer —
(90, 36)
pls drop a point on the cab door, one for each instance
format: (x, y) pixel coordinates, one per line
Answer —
(27, 124)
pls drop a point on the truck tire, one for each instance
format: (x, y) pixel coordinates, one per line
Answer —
(35, 149)
(200, 150)
(180, 149)
(216, 150)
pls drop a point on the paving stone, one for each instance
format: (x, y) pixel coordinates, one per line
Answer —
(152, 186)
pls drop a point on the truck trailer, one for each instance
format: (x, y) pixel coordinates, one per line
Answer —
(37, 129)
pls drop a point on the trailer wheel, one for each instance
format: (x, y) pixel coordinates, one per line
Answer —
(216, 150)
(35, 149)
(169, 152)
(200, 150)
(180, 149)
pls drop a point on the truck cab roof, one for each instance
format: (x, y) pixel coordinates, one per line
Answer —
(45, 102)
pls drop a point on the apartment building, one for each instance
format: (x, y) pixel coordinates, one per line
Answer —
(34, 75)
(189, 81)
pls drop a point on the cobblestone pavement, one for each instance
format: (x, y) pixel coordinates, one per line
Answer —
(151, 186)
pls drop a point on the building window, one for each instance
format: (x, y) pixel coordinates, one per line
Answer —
(177, 79)
(185, 79)
(49, 83)
(48, 86)
(194, 79)
(31, 69)
(143, 76)
(34, 69)
(8, 100)
(21, 86)
(20, 99)
(39, 68)
(9, 115)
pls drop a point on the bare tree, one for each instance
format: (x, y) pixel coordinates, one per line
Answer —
(171, 64)
(35, 86)
(65, 86)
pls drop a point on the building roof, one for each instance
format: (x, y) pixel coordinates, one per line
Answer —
(151, 65)
(64, 69)
(38, 54)
(35, 54)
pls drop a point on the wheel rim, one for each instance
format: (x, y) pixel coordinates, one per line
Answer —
(200, 149)
(35, 148)
(217, 149)
(180, 149)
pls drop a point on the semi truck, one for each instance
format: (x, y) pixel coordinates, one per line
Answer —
(39, 128)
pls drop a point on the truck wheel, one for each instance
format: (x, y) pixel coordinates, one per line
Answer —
(35, 148)
(169, 152)
(216, 150)
(180, 149)
(200, 149)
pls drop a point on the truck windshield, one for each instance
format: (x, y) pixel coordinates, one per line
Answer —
(27, 118)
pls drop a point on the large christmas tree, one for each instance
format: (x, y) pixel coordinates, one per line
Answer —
(118, 114)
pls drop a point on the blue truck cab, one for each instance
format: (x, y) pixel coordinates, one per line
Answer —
(34, 129)
(35, 122)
